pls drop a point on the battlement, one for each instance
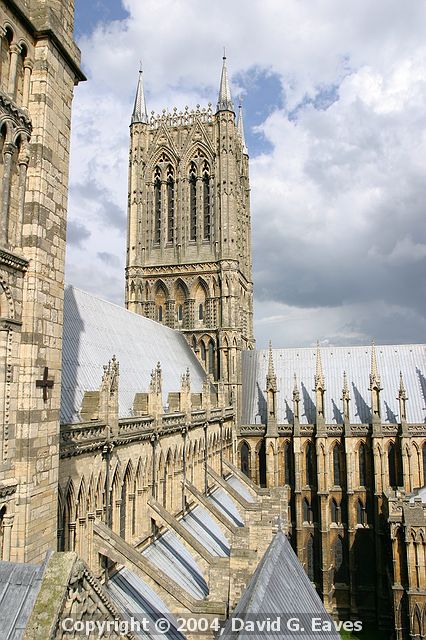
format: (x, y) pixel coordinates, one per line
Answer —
(185, 118)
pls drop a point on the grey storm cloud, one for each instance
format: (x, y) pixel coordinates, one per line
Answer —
(109, 258)
(338, 190)
(76, 233)
(107, 211)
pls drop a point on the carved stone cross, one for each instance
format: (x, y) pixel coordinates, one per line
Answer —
(45, 384)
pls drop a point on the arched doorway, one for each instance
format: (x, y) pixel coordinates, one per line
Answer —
(245, 459)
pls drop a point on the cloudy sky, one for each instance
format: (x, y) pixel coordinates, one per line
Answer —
(334, 93)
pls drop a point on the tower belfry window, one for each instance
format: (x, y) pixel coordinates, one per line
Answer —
(157, 206)
(170, 205)
(206, 202)
(193, 201)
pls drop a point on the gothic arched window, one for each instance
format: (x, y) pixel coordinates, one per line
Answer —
(245, 459)
(203, 352)
(394, 465)
(193, 202)
(340, 572)
(211, 358)
(336, 466)
(362, 459)
(157, 205)
(335, 512)
(200, 311)
(360, 513)
(206, 202)
(288, 463)
(309, 464)
(180, 313)
(307, 511)
(170, 205)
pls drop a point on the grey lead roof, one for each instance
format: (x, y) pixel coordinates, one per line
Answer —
(356, 361)
(280, 588)
(169, 554)
(137, 600)
(19, 586)
(95, 330)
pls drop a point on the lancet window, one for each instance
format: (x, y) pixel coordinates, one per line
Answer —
(193, 201)
(206, 202)
(170, 205)
(157, 205)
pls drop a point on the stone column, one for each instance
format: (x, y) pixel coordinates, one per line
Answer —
(23, 161)
(71, 537)
(7, 535)
(131, 504)
(190, 313)
(91, 555)
(170, 313)
(8, 152)
(14, 52)
(28, 67)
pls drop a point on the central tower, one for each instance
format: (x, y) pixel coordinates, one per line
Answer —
(189, 262)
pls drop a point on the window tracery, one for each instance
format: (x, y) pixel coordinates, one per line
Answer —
(157, 205)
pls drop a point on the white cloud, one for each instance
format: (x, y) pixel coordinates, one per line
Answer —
(338, 204)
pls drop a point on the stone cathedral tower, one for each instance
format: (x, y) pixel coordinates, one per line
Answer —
(39, 66)
(189, 261)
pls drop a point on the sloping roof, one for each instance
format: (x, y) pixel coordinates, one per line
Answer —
(279, 587)
(356, 361)
(95, 330)
(137, 600)
(173, 558)
(19, 586)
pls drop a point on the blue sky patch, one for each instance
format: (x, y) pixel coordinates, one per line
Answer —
(262, 94)
(89, 14)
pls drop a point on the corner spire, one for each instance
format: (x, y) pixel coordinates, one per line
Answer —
(140, 113)
(374, 374)
(240, 129)
(224, 102)
(271, 378)
(319, 375)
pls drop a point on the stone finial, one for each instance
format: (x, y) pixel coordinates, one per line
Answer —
(224, 102)
(375, 385)
(296, 399)
(271, 378)
(319, 386)
(345, 397)
(240, 129)
(108, 395)
(140, 114)
(110, 376)
(374, 373)
(186, 381)
(271, 391)
(402, 397)
(319, 375)
(155, 385)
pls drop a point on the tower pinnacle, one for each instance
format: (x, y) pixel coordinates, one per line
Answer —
(140, 113)
(224, 102)
(240, 128)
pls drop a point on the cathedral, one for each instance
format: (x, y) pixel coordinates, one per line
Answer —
(160, 477)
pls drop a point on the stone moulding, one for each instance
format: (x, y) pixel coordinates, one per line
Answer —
(19, 117)
(7, 490)
(11, 260)
(84, 438)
